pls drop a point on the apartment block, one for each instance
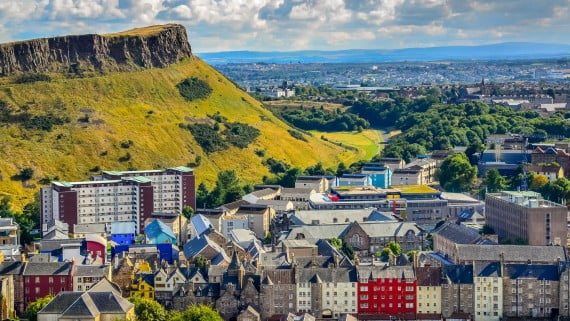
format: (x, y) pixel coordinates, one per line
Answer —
(527, 217)
(130, 196)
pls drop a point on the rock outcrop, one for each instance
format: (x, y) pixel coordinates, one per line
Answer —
(150, 47)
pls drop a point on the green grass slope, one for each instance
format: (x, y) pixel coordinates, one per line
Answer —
(146, 108)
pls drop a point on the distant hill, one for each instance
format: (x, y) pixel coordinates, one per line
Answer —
(121, 111)
(500, 51)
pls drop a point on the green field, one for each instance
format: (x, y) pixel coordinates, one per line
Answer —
(367, 143)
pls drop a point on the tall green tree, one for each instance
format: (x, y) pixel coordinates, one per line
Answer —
(197, 313)
(494, 181)
(202, 196)
(148, 309)
(456, 173)
(36, 306)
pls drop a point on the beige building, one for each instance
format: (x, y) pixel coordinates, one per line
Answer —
(319, 183)
(258, 217)
(298, 248)
(418, 172)
(527, 217)
(428, 290)
(488, 286)
(88, 275)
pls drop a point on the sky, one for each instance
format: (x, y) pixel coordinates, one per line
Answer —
(286, 25)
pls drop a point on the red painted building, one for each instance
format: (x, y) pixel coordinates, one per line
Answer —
(41, 279)
(96, 247)
(387, 291)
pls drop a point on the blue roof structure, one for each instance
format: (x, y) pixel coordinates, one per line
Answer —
(376, 216)
(507, 156)
(157, 232)
(123, 228)
(201, 224)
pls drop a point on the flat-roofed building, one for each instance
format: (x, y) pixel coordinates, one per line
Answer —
(526, 216)
(129, 196)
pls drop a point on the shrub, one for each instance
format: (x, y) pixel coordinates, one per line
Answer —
(125, 158)
(194, 88)
(26, 174)
(297, 135)
(127, 143)
(241, 135)
(29, 78)
(276, 166)
(42, 122)
(209, 139)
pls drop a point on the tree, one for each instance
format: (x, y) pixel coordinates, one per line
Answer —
(474, 148)
(26, 174)
(197, 313)
(35, 307)
(336, 242)
(347, 250)
(494, 182)
(394, 247)
(316, 169)
(456, 173)
(202, 195)
(188, 212)
(201, 262)
(341, 169)
(148, 309)
(537, 181)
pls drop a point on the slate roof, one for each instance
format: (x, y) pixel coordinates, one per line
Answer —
(53, 268)
(458, 274)
(386, 272)
(534, 271)
(52, 245)
(263, 192)
(457, 233)
(511, 253)
(91, 270)
(233, 205)
(87, 304)
(313, 233)
(11, 268)
(492, 269)
(326, 275)
(341, 216)
(428, 276)
(196, 245)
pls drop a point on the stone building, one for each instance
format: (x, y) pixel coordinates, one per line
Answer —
(457, 290)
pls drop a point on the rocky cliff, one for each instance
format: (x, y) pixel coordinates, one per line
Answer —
(150, 47)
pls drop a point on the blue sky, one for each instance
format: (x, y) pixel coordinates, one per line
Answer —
(265, 25)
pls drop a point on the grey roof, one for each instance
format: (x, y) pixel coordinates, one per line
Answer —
(263, 192)
(511, 253)
(91, 270)
(83, 304)
(11, 268)
(57, 268)
(61, 302)
(300, 190)
(457, 233)
(313, 233)
(337, 216)
(534, 271)
(52, 245)
(492, 269)
(123, 228)
(233, 205)
(386, 272)
(326, 275)
(507, 156)
(7, 222)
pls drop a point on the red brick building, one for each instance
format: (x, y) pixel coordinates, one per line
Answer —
(388, 291)
(41, 279)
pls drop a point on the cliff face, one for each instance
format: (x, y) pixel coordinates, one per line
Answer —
(152, 47)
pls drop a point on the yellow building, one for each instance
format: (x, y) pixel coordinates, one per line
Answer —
(143, 285)
(428, 290)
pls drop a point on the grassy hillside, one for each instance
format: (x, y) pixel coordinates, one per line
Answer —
(146, 108)
(367, 142)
